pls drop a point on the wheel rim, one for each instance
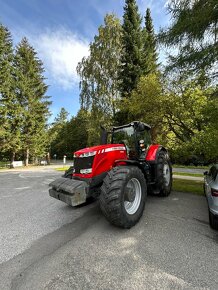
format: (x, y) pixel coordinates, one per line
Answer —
(131, 207)
(166, 174)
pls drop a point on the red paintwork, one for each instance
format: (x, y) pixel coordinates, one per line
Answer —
(103, 161)
(152, 152)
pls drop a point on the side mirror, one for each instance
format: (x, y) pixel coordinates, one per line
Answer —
(205, 172)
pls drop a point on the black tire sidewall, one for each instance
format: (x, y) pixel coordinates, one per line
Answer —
(163, 159)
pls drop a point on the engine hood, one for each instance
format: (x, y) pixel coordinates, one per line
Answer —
(98, 149)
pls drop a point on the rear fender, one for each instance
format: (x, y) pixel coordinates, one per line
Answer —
(153, 152)
(143, 166)
(151, 158)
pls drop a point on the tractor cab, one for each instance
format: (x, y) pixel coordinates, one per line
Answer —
(136, 138)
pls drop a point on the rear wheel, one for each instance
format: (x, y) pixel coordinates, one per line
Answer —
(123, 196)
(164, 174)
(213, 221)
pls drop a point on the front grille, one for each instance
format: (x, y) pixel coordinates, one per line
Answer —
(83, 163)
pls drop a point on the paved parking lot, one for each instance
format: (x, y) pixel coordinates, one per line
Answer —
(45, 244)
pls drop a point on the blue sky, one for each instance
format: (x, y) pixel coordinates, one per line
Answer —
(60, 31)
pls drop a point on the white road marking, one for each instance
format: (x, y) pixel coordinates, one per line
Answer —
(28, 176)
(15, 195)
(26, 187)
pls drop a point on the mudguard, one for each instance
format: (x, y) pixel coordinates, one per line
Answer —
(153, 152)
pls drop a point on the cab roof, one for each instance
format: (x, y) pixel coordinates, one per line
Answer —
(135, 124)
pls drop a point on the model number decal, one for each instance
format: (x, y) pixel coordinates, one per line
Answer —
(114, 149)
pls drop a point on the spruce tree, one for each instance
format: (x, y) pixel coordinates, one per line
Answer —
(30, 91)
(56, 130)
(149, 54)
(132, 48)
(193, 30)
(10, 109)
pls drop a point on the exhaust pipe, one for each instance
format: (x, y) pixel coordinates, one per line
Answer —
(104, 135)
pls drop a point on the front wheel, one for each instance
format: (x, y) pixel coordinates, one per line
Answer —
(123, 196)
(164, 174)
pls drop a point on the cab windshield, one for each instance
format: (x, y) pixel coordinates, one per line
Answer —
(124, 136)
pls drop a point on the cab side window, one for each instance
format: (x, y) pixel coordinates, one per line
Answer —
(144, 136)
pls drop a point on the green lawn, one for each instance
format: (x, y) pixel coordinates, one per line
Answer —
(4, 164)
(190, 166)
(191, 186)
(189, 174)
(62, 168)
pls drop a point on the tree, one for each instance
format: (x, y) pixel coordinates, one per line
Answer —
(99, 72)
(190, 125)
(59, 122)
(149, 53)
(194, 32)
(72, 136)
(30, 93)
(10, 109)
(61, 117)
(146, 102)
(55, 129)
(131, 60)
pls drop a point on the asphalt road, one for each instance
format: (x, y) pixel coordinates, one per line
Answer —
(45, 244)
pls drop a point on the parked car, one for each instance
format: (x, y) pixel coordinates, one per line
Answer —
(211, 192)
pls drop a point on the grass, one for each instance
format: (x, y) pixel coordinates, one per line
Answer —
(62, 168)
(4, 164)
(188, 174)
(191, 186)
(190, 166)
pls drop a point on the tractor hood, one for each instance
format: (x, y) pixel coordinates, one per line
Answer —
(91, 151)
(97, 160)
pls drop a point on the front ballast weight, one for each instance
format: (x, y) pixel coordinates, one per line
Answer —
(71, 191)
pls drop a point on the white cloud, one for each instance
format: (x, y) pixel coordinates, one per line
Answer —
(60, 52)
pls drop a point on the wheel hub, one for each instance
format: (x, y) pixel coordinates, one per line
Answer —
(130, 194)
(133, 195)
(166, 173)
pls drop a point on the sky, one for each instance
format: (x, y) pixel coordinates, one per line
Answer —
(60, 31)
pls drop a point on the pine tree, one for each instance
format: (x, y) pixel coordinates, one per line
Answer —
(149, 55)
(56, 129)
(193, 31)
(61, 117)
(132, 48)
(30, 92)
(10, 110)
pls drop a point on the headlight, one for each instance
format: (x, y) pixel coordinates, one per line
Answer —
(86, 171)
(88, 154)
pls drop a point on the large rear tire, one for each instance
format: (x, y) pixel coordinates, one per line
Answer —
(213, 220)
(123, 196)
(164, 174)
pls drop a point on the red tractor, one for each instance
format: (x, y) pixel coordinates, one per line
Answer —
(120, 174)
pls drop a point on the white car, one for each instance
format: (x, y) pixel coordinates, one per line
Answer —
(211, 192)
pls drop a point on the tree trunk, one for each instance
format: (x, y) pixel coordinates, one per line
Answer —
(27, 157)
(12, 159)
